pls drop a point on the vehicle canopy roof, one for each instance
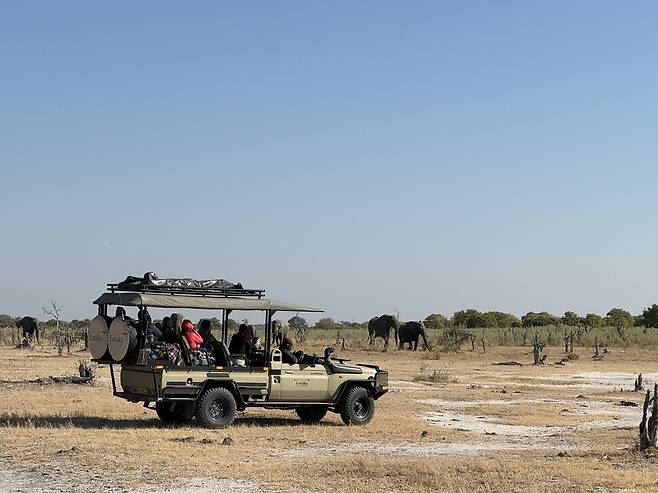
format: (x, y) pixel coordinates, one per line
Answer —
(168, 300)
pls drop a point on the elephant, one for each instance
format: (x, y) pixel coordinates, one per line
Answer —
(409, 332)
(30, 327)
(280, 331)
(381, 327)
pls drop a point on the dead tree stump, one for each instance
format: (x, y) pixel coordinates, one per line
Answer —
(86, 371)
(537, 348)
(638, 383)
(649, 424)
(597, 355)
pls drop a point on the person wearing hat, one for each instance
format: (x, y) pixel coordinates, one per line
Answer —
(189, 332)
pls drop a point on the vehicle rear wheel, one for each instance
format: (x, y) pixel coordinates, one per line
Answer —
(357, 407)
(311, 414)
(170, 413)
(216, 408)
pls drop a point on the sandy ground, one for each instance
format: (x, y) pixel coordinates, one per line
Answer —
(486, 428)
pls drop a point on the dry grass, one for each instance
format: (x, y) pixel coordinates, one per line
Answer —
(274, 447)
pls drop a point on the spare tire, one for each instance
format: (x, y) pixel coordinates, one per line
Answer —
(97, 338)
(121, 339)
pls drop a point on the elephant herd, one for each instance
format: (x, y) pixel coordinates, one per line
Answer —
(406, 333)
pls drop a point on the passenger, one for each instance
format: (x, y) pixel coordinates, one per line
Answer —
(121, 312)
(152, 331)
(255, 343)
(286, 352)
(190, 334)
(206, 334)
(241, 342)
(168, 333)
(177, 322)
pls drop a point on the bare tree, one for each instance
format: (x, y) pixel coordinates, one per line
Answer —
(61, 339)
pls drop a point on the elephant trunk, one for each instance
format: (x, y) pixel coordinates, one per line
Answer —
(427, 344)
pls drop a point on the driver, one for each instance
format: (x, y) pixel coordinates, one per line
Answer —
(286, 352)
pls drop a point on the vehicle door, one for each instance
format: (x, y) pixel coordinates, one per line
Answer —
(304, 382)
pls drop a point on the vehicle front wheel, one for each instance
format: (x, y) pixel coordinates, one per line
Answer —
(215, 408)
(357, 407)
(170, 413)
(311, 414)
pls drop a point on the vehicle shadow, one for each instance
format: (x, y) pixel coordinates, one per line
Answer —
(97, 422)
(84, 422)
(270, 421)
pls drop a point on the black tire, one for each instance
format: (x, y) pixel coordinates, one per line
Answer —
(357, 407)
(311, 414)
(170, 413)
(215, 408)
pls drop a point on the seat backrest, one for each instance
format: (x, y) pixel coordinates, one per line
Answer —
(185, 350)
(222, 355)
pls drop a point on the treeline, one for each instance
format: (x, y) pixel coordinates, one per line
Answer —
(615, 317)
(474, 319)
(9, 321)
(470, 319)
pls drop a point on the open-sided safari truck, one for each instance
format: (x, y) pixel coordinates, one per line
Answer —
(212, 393)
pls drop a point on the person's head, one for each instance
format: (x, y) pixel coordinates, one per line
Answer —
(204, 326)
(166, 323)
(176, 321)
(286, 344)
(120, 312)
(187, 325)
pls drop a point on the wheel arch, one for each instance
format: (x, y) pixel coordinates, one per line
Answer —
(229, 385)
(369, 385)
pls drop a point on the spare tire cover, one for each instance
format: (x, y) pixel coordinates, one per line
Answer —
(97, 337)
(122, 339)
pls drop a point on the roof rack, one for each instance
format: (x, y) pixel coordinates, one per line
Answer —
(188, 290)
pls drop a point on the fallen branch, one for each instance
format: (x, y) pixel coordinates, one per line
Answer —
(508, 363)
(50, 380)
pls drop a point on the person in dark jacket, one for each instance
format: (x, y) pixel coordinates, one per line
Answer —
(286, 352)
(206, 334)
(168, 333)
(240, 342)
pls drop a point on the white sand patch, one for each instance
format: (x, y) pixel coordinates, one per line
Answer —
(421, 449)
(584, 380)
(452, 416)
(397, 385)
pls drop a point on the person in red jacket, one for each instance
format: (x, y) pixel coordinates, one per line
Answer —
(190, 334)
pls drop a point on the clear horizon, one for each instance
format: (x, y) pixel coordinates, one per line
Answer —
(363, 158)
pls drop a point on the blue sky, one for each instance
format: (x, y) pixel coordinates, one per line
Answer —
(361, 156)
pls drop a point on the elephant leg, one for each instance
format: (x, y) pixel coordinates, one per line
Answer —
(416, 344)
(385, 344)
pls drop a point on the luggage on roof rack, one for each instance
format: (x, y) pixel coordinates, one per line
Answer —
(150, 283)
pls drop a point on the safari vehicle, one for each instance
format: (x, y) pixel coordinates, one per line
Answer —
(213, 393)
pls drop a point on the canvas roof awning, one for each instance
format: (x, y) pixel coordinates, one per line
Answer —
(156, 300)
